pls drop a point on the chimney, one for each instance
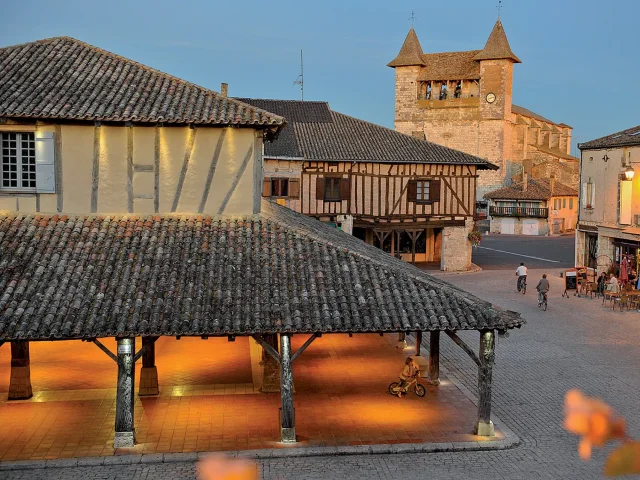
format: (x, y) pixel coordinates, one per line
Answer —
(525, 181)
(224, 89)
(553, 184)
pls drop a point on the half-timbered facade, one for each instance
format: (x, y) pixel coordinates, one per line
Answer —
(412, 198)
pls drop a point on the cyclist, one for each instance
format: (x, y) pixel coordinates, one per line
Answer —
(409, 371)
(542, 288)
(521, 272)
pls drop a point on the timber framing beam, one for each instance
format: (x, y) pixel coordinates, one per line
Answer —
(105, 350)
(268, 348)
(305, 345)
(458, 341)
(143, 349)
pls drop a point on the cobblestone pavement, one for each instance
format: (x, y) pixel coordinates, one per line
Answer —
(576, 343)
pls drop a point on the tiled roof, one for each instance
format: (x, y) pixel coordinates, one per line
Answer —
(278, 271)
(625, 138)
(538, 189)
(450, 66)
(318, 133)
(497, 46)
(518, 110)
(64, 78)
(410, 52)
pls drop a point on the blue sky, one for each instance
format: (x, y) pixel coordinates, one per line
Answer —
(581, 58)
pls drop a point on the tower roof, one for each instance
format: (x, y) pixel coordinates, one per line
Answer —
(497, 46)
(409, 53)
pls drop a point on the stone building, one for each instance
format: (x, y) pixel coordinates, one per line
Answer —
(533, 207)
(608, 230)
(463, 100)
(410, 197)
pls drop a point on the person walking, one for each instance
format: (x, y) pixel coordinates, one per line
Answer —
(542, 288)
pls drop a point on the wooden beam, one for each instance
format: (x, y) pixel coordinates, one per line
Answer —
(20, 378)
(458, 341)
(434, 358)
(268, 348)
(484, 425)
(304, 346)
(418, 341)
(105, 350)
(288, 421)
(125, 436)
(147, 344)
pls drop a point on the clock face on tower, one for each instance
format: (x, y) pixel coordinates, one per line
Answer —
(491, 97)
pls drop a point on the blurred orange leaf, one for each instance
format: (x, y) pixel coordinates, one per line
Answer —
(219, 467)
(624, 460)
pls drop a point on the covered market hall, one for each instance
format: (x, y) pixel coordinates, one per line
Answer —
(269, 277)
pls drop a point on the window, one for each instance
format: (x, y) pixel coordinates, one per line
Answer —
(588, 194)
(422, 190)
(571, 203)
(332, 189)
(18, 161)
(564, 203)
(279, 187)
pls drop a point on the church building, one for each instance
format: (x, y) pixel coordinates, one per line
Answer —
(463, 100)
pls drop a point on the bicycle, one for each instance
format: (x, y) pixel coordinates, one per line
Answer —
(418, 389)
(543, 304)
(522, 284)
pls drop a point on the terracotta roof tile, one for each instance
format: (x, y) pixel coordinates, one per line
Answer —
(315, 132)
(410, 52)
(625, 138)
(497, 46)
(64, 78)
(538, 189)
(450, 66)
(279, 271)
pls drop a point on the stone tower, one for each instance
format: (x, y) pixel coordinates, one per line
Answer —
(460, 99)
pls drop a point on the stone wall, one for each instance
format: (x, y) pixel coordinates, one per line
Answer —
(456, 248)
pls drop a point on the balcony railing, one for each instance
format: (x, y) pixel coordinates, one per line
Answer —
(519, 212)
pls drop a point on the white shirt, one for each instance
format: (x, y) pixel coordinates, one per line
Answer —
(521, 271)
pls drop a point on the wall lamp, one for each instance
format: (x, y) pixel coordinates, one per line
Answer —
(629, 173)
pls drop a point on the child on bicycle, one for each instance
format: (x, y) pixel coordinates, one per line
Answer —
(409, 371)
(542, 288)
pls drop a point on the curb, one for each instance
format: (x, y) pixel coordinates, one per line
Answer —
(265, 454)
(439, 273)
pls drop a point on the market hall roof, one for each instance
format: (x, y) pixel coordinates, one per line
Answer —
(625, 138)
(538, 189)
(64, 78)
(277, 271)
(314, 132)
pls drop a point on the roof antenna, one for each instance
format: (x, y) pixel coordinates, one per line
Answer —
(499, 7)
(412, 18)
(300, 79)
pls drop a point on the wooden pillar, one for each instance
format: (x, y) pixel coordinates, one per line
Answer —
(125, 432)
(20, 382)
(287, 415)
(434, 358)
(270, 367)
(418, 341)
(484, 425)
(402, 341)
(148, 372)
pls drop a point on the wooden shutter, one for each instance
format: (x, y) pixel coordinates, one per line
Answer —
(434, 190)
(345, 188)
(45, 163)
(266, 187)
(412, 190)
(294, 188)
(319, 188)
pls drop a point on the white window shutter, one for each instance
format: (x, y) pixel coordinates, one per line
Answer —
(593, 195)
(584, 195)
(45, 163)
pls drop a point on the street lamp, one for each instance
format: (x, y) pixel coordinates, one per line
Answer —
(629, 173)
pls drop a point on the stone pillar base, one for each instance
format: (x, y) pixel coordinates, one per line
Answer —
(124, 440)
(148, 381)
(485, 429)
(423, 364)
(20, 383)
(434, 383)
(270, 375)
(401, 345)
(288, 435)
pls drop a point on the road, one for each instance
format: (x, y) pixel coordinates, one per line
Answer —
(576, 343)
(505, 252)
